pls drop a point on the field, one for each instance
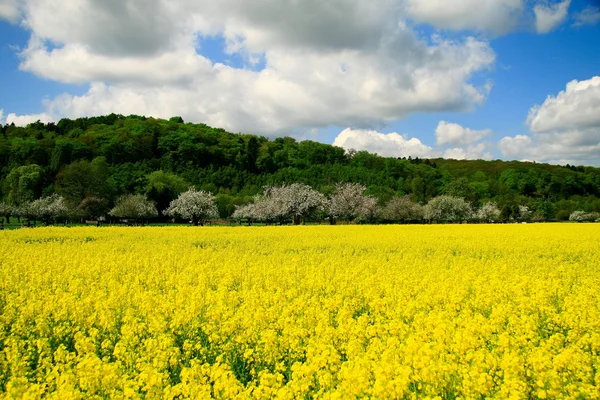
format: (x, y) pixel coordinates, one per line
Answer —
(334, 312)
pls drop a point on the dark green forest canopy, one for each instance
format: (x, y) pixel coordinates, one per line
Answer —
(105, 157)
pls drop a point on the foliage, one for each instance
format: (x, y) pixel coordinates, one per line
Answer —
(347, 312)
(447, 209)
(349, 202)
(164, 187)
(581, 216)
(110, 156)
(134, 207)
(403, 209)
(24, 184)
(489, 212)
(93, 208)
(196, 206)
(49, 208)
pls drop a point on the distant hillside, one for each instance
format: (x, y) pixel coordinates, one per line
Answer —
(109, 156)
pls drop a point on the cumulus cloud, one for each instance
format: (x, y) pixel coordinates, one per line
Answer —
(588, 16)
(386, 145)
(23, 120)
(575, 108)
(453, 134)
(355, 63)
(497, 16)
(472, 152)
(1, 117)
(341, 63)
(515, 147)
(9, 10)
(565, 128)
(549, 16)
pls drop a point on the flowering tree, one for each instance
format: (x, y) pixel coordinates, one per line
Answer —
(581, 216)
(279, 203)
(48, 209)
(447, 209)
(26, 211)
(297, 201)
(489, 212)
(251, 212)
(349, 202)
(6, 211)
(403, 209)
(134, 207)
(197, 206)
(524, 213)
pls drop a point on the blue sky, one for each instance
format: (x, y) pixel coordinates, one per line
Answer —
(351, 72)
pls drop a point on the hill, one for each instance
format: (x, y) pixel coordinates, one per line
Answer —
(106, 157)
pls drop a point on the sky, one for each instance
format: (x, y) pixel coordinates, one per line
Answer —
(462, 79)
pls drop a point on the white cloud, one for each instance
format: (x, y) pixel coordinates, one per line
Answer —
(588, 16)
(23, 120)
(549, 16)
(565, 128)
(515, 147)
(453, 134)
(336, 63)
(386, 145)
(9, 10)
(576, 107)
(497, 16)
(341, 63)
(472, 152)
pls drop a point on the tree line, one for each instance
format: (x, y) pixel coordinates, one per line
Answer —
(296, 203)
(93, 163)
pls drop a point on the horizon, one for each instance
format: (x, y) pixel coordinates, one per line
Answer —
(495, 80)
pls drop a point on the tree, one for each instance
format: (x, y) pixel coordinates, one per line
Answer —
(403, 209)
(447, 209)
(93, 208)
(489, 212)
(49, 209)
(6, 211)
(349, 202)
(581, 216)
(524, 213)
(197, 206)
(134, 207)
(25, 210)
(461, 187)
(297, 201)
(164, 187)
(82, 179)
(24, 184)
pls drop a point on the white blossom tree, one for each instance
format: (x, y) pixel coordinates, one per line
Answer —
(48, 209)
(298, 201)
(581, 216)
(26, 211)
(134, 207)
(489, 212)
(403, 209)
(250, 212)
(195, 205)
(349, 202)
(6, 211)
(524, 213)
(447, 209)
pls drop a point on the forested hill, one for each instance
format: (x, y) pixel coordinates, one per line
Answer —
(108, 156)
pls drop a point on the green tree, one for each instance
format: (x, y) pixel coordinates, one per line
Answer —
(164, 187)
(24, 184)
(82, 179)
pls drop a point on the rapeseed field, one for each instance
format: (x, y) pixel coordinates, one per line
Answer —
(332, 312)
